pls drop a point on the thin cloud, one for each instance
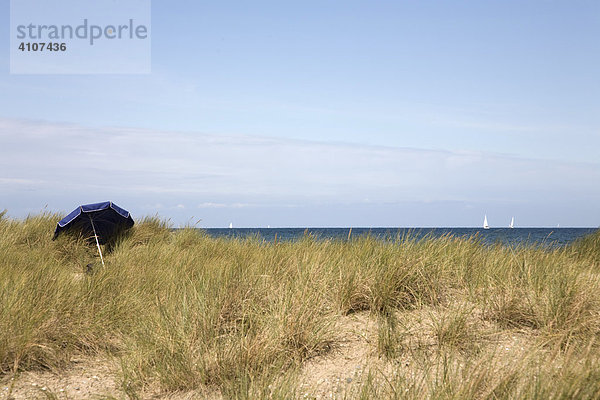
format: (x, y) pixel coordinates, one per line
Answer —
(224, 205)
(197, 170)
(18, 181)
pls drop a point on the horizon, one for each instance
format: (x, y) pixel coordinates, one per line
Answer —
(394, 114)
(198, 225)
(391, 227)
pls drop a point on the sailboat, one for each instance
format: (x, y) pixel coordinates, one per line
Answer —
(230, 225)
(512, 223)
(485, 223)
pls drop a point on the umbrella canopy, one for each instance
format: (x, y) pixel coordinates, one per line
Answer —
(103, 220)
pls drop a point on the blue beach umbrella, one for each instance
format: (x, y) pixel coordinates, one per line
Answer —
(103, 221)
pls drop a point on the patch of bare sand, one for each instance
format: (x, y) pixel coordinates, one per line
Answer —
(331, 375)
(340, 373)
(85, 378)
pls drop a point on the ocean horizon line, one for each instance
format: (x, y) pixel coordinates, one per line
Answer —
(392, 227)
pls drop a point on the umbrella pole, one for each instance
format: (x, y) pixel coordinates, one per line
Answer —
(97, 243)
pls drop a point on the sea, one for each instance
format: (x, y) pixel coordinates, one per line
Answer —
(548, 237)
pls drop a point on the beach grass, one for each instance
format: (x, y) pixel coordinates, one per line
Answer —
(181, 311)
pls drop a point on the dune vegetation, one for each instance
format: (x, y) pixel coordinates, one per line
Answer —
(180, 312)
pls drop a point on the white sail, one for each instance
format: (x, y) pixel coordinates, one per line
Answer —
(485, 223)
(512, 223)
(230, 225)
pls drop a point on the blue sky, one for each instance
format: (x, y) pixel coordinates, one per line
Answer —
(329, 113)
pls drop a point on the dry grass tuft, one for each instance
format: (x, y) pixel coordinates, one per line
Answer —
(181, 311)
